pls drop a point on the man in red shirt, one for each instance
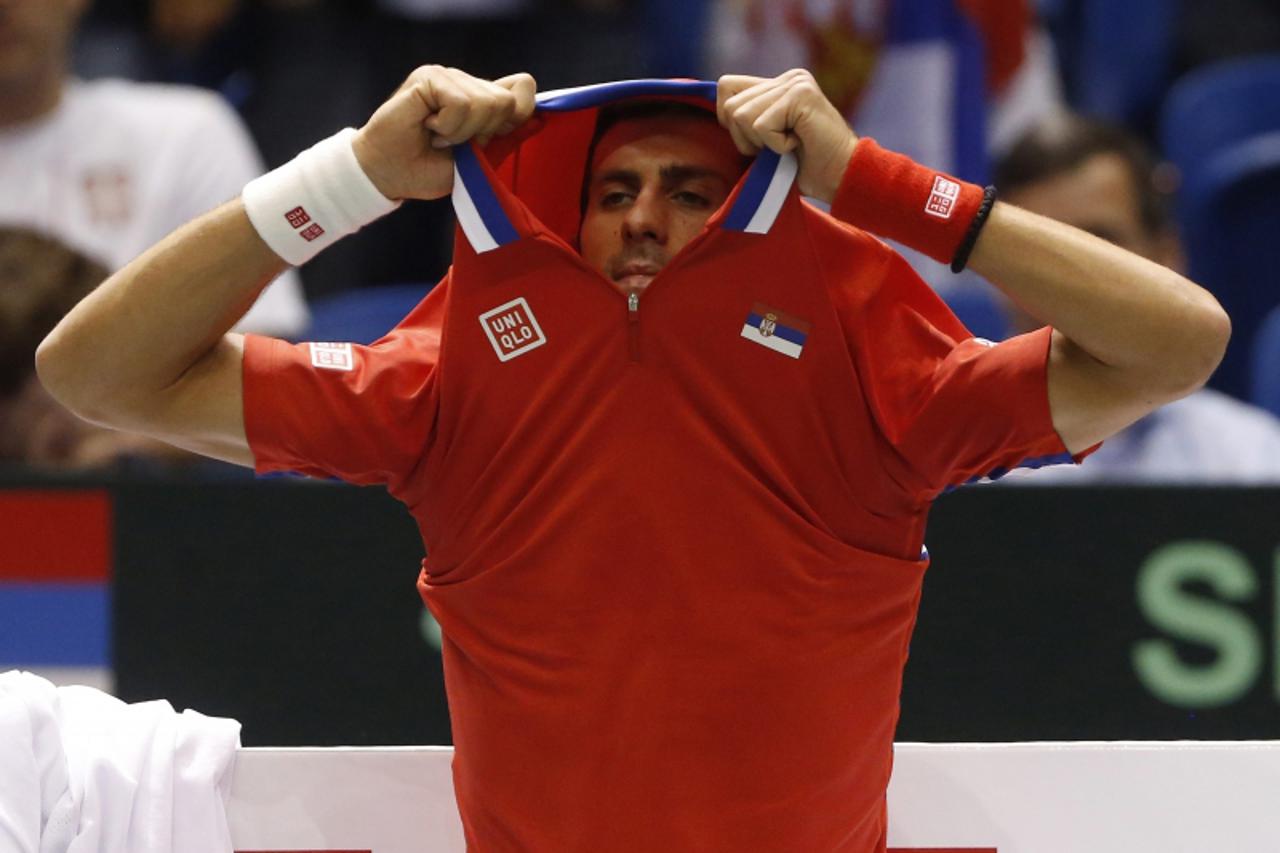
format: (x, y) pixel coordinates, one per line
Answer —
(670, 433)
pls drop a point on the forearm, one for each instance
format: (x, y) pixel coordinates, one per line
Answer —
(1137, 318)
(148, 324)
(1138, 324)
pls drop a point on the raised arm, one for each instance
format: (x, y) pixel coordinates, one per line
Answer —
(149, 351)
(1129, 335)
(146, 352)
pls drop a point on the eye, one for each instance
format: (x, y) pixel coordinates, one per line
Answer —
(614, 198)
(691, 199)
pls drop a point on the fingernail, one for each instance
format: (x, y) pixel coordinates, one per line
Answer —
(439, 142)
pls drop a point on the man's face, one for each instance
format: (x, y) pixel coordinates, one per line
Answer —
(1097, 196)
(34, 33)
(654, 183)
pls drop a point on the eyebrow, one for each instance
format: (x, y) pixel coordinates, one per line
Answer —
(669, 175)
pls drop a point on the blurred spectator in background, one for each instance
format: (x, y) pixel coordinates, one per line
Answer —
(946, 82)
(487, 38)
(1224, 29)
(296, 70)
(40, 280)
(1103, 180)
(561, 42)
(109, 167)
(1118, 60)
(300, 69)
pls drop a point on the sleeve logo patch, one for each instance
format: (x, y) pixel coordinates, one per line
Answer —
(512, 329)
(942, 201)
(298, 218)
(328, 356)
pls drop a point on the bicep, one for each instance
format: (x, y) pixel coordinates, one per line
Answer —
(1090, 401)
(203, 411)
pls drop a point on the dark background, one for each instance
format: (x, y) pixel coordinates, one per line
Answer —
(291, 606)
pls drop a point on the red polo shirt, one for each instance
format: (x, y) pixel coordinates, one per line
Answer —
(676, 551)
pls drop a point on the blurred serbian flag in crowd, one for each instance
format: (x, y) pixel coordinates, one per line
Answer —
(56, 557)
(923, 77)
(946, 82)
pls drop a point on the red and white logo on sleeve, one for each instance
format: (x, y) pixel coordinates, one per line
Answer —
(299, 220)
(942, 201)
(330, 356)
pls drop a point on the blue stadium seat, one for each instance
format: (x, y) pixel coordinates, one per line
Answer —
(1266, 364)
(1219, 105)
(1115, 56)
(1221, 127)
(979, 310)
(363, 315)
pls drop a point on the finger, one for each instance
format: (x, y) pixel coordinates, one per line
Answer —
(746, 107)
(741, 139)
(470, 103)
(730, 85)
(729, 99)
(449, 103)
(419, 75)
(776, 125)
(413, 101)
(525, 90)
(785, 82)
(500, 106)
(491, 106)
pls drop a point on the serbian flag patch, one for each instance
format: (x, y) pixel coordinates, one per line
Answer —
(780, 332)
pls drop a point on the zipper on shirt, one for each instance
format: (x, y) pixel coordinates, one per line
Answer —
(633, 324)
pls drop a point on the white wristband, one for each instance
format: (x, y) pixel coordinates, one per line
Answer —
(314, 200)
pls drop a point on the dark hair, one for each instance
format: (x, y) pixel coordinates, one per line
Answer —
(611, 115)
(40, 280)
(1062, 145)
(643, 110)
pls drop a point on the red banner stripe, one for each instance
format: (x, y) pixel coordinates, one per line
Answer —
(55, 535)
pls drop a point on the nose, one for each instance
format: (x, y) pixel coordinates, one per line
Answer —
(646, 218)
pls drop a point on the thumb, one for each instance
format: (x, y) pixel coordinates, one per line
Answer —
(512, 82)
(525, 89)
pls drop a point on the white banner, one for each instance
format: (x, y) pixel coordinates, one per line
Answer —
(1130, 797)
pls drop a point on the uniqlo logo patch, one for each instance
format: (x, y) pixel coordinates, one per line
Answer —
(297, 217)
(332, 356)
(311, 232)
(512, 329)
(942, 201)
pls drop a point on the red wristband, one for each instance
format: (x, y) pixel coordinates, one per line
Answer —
(895, 197)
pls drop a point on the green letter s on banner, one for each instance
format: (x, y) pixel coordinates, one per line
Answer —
(1167, 605)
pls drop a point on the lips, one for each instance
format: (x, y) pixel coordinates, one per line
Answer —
(629, 270)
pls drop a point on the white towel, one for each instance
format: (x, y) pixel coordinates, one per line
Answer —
(83, 772)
